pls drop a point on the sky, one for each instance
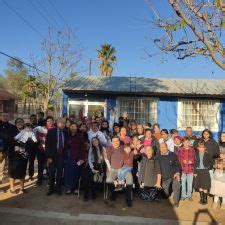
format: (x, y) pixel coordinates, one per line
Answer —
(122, 23)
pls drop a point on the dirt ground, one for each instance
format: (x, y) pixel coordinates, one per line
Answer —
(37, 199)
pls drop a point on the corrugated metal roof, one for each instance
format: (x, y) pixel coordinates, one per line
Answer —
(145, 85)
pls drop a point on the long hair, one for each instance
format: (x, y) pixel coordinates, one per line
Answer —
(94, 149)
(210, 133)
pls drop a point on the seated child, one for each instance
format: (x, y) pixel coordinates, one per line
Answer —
(150, 172)
(218, 184)
(25, 134)
(128, 159)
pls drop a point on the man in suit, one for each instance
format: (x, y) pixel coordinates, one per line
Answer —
(55, 146)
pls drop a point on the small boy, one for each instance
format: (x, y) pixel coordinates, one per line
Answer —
(25, 134)
(128, 159)
(186, 157)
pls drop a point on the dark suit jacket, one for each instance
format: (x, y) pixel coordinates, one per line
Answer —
(51, 143)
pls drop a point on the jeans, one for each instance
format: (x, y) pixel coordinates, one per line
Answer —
(122, 172)
(166, 184)
(186, 182)
(113, 174)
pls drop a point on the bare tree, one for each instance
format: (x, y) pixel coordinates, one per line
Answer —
(195, 30)
(60, 57)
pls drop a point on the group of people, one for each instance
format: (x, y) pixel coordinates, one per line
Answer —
(129, 157)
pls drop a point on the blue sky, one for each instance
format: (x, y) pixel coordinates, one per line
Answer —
(122, 23)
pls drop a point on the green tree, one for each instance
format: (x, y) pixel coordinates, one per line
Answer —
(106, 54)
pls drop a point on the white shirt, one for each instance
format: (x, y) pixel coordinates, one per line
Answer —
(24, 135)
(99, 135)
(169, 142)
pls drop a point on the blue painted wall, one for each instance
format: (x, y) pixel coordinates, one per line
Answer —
(64, 103)
(111, 102)
(167, 112)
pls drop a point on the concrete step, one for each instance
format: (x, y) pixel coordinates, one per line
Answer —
(18, 216)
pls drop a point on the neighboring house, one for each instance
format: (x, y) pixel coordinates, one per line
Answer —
(7, 102)
(173, 103)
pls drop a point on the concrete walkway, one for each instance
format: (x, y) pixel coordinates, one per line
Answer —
(12, 216)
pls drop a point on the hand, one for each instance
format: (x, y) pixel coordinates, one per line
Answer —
(177, 176)
(190, 162)
(142, 185)
(195, 175)
(158, 186)
(185, 161)
(95, 171)
(49, 161)
(80, 162)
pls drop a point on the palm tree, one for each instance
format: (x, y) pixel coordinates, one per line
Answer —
(107, 58)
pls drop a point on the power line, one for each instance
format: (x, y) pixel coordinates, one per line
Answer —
(49, 14)
(40, 13)
(22, 18)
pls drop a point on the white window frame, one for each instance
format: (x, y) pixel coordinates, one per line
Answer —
(138, 98)
(86, 103)
(180, 126)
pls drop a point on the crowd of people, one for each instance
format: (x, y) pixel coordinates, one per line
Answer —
(127, 158)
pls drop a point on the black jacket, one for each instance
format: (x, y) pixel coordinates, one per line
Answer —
(169, 165)
(51, 143)
(207, 161)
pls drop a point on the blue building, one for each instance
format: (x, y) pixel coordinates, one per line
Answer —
(173, 103)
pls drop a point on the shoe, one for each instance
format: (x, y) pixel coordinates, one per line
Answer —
(176, 205)
(50, 192)
(76, 192)
(215, 205)
(201, 197)
(205, 200)
(129, 203)
(68, 192)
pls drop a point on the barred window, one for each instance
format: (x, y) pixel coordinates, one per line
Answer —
(198, 114)
(143, 110)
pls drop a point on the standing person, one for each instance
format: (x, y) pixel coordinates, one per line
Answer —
(55, 148)
(177, 143)
(6, 131)
(115, 155)
(18, 156)
(95, 168)
(116, 130)
(165, 138)
(68, 123)
(40, 117)
(124, 138)
(41, 133)
(140, 132)
(104, 128)
(203, 163)
(189, 133)
(33, 120)
(211, 145)
(150, 172)
(170, 169)
(156, 131)
(133, 128)
(186, 157)
(222, 146)
(173, 133)
(95, 132)
(76, 155)
(150, 140)
(218, 184)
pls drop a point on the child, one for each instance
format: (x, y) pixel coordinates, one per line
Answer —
(150, 172)
(25, 134)
(128, 159)
(218, 184)
(186, 157)
(177, 143)
(203, 163)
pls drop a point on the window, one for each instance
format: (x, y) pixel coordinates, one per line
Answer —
(86, 107)
(198, 114)
(143, 110)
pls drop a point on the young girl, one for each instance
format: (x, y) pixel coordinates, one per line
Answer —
(128, 159)
(218, 184)
(203, 163)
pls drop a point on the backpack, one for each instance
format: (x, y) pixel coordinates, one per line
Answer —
(150, 194)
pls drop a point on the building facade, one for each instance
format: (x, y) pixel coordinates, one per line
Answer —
(173, 103)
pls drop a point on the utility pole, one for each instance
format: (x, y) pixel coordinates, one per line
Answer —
(90, 62)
